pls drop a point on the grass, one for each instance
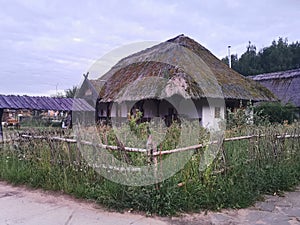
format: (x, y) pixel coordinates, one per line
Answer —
(245, 171)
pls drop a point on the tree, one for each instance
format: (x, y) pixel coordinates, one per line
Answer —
(295, 52)
(279, 56)
(71, 92)
(234, 60)
(249, 63)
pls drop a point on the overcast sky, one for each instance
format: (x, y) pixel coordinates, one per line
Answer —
(46, 46)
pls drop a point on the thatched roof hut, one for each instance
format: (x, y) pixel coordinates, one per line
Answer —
(178, 77)
(284, 84)
(178, 66)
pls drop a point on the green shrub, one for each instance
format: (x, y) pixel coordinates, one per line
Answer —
(277, 112)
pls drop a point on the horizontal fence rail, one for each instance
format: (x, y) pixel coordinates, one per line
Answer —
(152, 154)
(141, 150)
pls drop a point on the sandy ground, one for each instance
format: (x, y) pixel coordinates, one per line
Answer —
(21, 205)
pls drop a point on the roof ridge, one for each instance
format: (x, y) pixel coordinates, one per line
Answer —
(277, 75)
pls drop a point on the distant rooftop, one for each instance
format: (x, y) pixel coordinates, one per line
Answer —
(284, 84)
(277, 75)
(44, 103)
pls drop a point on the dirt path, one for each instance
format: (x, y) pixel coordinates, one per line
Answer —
(20, 205)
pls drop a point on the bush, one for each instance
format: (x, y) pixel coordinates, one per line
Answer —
(277, 112)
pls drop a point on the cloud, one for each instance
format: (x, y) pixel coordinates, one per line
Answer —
(43, 43)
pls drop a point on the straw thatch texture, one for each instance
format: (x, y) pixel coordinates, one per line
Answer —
(43, 103)
(178, 66)
(285, 85)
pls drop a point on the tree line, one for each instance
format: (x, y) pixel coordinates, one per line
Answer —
(279, 56)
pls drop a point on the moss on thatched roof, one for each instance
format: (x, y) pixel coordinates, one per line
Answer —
(178, 66)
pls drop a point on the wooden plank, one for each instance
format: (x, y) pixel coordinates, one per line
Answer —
(69, 140)
(288, 136)
(240, 138)
(193, 147)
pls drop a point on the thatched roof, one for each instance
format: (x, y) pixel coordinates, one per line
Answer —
(285, 85)
(44, 103)
(178, 66)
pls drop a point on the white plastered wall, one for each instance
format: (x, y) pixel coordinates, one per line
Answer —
(208, 114)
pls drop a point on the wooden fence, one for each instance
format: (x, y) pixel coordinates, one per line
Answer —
(142, 150)
(152, 154)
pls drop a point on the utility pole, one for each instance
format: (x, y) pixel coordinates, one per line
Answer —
(229, 56)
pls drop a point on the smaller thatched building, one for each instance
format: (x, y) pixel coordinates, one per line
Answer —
(16, 102)
(175, 78)
(284, 84)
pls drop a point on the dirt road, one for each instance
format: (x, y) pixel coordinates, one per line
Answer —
(20, 205)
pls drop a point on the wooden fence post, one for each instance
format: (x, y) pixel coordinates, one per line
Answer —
(149, 147)
(154, 159)
(152, 154)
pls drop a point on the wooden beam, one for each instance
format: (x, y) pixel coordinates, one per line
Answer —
(1, 130)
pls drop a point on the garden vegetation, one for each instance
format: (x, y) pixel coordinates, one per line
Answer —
(243, 171)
